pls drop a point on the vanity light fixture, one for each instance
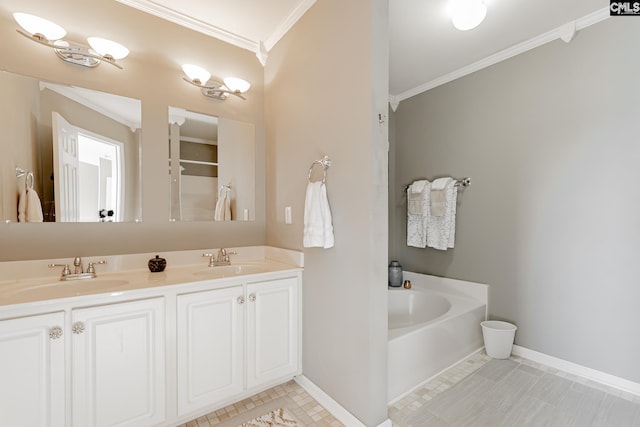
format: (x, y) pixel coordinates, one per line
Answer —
(49, 34)
(201, 78)
(468, 14)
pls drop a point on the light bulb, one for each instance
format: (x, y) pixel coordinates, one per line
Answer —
(468, 14)
(237, 85)
(196, 74)
(109, 48)
(36, 25)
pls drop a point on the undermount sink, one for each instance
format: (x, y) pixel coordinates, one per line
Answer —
(231, 270)
(71, 287)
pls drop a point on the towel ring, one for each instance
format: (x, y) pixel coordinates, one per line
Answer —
(29, 181)
(325, 163)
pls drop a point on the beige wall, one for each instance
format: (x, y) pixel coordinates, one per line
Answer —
(152, 73)
(325, 82)
(550, 222)
(18, 140)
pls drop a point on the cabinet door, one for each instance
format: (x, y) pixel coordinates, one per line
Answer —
(210, 347)
(272, 330)
(32, 371)
(118, 364)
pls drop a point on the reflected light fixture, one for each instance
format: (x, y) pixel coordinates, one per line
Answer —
(49, 34)
(468, 14)
(201, 78)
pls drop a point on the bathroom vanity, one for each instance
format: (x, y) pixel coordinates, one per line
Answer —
(134, 348)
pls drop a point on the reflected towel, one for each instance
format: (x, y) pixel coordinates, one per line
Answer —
(223, 205)
(22, 206)
(318, 226)
(33, 212)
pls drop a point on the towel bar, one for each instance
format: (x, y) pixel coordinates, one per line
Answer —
(462, 182)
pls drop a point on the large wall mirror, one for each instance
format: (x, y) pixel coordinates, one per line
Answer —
(211, 167)
(76, 150)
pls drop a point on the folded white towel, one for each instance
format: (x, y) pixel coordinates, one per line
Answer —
(441, 230)
(223, 205)
(438, 196)
(417, 213)
(416, 194)
(33, 212)
(318, 226)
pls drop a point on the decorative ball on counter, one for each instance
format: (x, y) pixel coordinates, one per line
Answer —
(157, 264)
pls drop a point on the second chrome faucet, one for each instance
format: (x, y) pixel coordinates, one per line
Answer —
(222, 258)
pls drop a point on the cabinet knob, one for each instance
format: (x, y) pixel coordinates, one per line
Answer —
(55, 332)
(77, 328)
(252, 297)
(240, 300)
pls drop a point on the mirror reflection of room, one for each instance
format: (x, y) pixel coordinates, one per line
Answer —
(79, 150)
(211, 167)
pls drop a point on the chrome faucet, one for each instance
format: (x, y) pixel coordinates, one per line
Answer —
(77, 263)
(222, 258)
(78, 271)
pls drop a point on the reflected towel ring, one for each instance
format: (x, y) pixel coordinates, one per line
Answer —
(325, 162)
(29, 181)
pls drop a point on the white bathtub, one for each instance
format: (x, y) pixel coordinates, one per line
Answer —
(432, 326)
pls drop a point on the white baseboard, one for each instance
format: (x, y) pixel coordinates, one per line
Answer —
(579, 370)
(334, 408)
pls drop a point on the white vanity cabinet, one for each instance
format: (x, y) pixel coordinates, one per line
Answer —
(272, 330)
(210, 347)
(118, 364)
(233, 342)
(163, 350)
(32, 371)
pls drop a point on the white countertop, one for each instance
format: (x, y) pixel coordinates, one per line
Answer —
(25, 282)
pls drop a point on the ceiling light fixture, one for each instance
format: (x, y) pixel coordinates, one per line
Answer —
(468, 14)
(49, 34)
(200, 77)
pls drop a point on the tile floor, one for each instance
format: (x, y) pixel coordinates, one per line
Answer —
(477, 392)
(288, 395)
(514, 392)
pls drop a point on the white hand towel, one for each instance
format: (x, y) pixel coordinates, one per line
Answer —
(33, 212)
(417, 213)
(318, 226)
(223, 206)
(441, 230)
(22, 205)
(415, 197)
(439, 196)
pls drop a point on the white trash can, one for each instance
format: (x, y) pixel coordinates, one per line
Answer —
(498, 338)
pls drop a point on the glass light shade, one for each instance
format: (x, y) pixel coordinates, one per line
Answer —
(106, 47)
(468, 14)
(36, 25)
(237, 85)
(61, 44)
(196, 73)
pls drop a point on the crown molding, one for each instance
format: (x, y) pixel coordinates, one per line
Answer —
(152, 8)
(288, 22)
(557, 33)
